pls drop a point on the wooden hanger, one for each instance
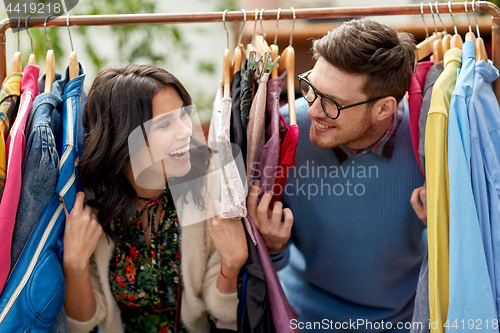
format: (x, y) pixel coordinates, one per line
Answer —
(287, 62)
(445, 42)
(424, 48)
(50, 63)
(480, 49)
(238, 51)
(17, 66)
(74, 67)
(470, 35)
(32, 58)
(456, 40)
(437, 45)
(226, 65)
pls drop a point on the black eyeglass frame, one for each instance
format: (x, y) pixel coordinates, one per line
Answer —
(302, 77)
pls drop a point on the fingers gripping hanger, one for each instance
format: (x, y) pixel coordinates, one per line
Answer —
(470, 35)
(226, 68)
(50, 62)
(32, 58)
(238, 52)
(479, 43)
(424, 48)
(456, 40)
(17, 66)
(437, 45)
(274, 47)
(447, 37)
(74, 67)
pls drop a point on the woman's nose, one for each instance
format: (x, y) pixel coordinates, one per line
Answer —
(184, 131)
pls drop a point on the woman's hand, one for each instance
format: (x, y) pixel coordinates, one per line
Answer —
(420, 208)
(274, 232)
(81, 235)
(229, 239)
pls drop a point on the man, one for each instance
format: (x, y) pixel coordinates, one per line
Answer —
(356, 244)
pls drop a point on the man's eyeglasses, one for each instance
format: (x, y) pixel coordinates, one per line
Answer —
(330, 106)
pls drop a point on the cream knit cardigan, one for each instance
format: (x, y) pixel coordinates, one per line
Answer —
(200, 267)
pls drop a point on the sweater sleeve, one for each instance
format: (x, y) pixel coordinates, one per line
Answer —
(280, 258)
(221, 306)
(100, 313)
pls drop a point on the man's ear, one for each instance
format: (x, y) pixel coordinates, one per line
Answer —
(384, 108)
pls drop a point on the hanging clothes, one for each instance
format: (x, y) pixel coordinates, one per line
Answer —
(246, 96)
(233, 191)
(437, 188)
(415, 103)
(430, 79)
(33, 296)
(215, 121)
(9, 95)
(15, 154)
(267, 168)
(40, 166)
(484, 117)
(238, 134)
(467, 258)
(255, 130)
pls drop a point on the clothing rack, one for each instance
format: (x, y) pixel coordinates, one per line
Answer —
(268, 15)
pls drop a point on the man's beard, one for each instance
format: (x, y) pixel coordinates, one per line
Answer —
(342, 136)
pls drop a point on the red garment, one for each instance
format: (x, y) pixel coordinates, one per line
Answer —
(415, 102)
(287, 158)
(15, 146)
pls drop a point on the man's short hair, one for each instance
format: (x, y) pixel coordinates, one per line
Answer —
(368, 47)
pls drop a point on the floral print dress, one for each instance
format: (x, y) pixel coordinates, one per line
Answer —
(144, 280)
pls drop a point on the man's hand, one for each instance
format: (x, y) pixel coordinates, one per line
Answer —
(420, 206)
(274, 232)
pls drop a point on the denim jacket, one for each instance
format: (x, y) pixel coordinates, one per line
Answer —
(34, 294)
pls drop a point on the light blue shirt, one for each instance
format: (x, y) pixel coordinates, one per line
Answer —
(484, 116)
(471, 295)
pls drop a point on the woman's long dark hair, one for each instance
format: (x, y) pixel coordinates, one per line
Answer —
(119, 101)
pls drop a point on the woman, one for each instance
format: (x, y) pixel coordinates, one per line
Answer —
(126, 278)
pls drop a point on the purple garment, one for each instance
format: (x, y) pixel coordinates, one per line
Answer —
(280, 308)
(269, 157)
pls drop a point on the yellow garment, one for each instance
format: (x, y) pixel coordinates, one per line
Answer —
(10, 92)
(436, 169)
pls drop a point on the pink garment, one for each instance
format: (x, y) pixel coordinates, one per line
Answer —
(256, 128)
(281, 310)
(15, 147)
(233, 194)
(415, 102)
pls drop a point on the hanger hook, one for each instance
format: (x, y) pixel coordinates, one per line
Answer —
(475, 17)
(45, 29)
(277, 21)
(453, 19)
(423, 20)
(439, 16)
(28, 32)
(433, 18)
(224, 22)
(261, 27)
(293, 26)
(466, 12)
(243, 26)
(18, 37)
(255, 24)
(69, 33)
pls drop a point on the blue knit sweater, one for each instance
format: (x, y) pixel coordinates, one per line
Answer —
(356, 244)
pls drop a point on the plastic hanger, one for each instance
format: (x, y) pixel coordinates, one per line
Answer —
(17, 66)
(274, 47)
(424, 48)
(437, 45)
(447, 37)
(287, 62)
(74, 67)
(32, 58)
(479, 43)
(226, 67)
(238, 52)
(470, 35)
(456, 40)
(50, 62)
